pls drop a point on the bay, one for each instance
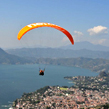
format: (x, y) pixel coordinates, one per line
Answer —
(17, 79)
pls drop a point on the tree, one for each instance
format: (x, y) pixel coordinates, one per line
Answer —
(102, 74)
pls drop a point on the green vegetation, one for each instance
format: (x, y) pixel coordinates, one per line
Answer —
(106, 106)
(61, 88)
(42, 90)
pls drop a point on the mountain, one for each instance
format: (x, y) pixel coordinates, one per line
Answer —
(86, 45)
(6, 58)
(58, 53)
(79, 49)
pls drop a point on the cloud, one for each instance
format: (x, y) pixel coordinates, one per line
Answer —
(65, 39)
(78, 36)
(98, 30)
(101, 41)
(78, 33)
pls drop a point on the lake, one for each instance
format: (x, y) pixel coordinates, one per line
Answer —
(17, 79)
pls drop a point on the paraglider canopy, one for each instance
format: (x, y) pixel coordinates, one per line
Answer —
(37, 25)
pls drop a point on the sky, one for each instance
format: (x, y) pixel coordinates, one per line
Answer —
(86, 20)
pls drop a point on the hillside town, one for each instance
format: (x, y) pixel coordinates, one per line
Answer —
(55, 97)
(62, 98)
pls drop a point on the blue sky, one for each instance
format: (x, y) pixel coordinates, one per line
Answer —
(86, 20)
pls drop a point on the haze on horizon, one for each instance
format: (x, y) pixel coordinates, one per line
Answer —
(85, 20)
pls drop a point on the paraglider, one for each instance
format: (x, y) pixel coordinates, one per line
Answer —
(29, 27)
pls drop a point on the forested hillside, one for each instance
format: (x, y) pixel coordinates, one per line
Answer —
(6, 58)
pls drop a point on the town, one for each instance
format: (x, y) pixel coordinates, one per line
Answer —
(55, 97)
(100, 82)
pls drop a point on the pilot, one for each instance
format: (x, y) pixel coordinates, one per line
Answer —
(41, 72)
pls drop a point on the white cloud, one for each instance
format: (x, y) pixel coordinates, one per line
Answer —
(78, 36)
(78, 33)
(101, 41)
(98, 30)
(65, 39)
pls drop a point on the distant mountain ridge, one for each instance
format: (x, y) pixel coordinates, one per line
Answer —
(86, 45)
(58, 53)
(79, 49)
